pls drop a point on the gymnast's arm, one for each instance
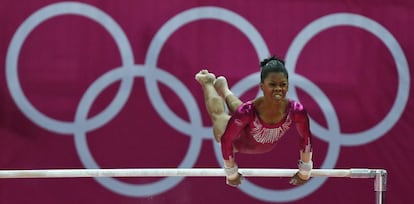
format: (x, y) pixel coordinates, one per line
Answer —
(235, 125)
(305, 163)
(302, 126)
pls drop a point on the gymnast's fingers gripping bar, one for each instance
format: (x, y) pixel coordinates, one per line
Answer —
(186, 172)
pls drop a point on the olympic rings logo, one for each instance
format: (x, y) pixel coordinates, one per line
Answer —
(129, 70)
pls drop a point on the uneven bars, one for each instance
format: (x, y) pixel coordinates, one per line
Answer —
(186, 172)
(380, 175)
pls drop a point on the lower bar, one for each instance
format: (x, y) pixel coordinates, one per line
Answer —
(166, 172)
(380, 175)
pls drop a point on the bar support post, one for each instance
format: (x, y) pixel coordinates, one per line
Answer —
(380, 185)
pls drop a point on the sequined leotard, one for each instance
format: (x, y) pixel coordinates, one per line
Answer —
(247, 133)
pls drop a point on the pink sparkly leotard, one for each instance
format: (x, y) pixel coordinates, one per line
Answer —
(247, 133)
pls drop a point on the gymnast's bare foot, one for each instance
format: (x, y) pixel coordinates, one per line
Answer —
(204, 77)
(221, 86)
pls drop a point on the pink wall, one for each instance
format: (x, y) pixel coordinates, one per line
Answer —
(110, 84)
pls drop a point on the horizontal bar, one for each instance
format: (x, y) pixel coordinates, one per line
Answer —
(186, 172)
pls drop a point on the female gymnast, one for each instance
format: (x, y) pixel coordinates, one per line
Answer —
(255, 126)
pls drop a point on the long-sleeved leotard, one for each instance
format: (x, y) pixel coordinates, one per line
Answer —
(247, 133)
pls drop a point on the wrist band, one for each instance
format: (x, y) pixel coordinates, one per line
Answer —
(231, 172)
(305, 167)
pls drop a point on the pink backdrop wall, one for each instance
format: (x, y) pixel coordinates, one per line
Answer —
(110, 84)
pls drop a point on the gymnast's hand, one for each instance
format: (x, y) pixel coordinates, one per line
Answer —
(298, 179)
(304, 173)
(233, 177)
(234, 181)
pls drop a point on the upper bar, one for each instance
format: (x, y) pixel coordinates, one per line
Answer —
(186, 172)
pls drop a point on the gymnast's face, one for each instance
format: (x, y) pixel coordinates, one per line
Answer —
(275, 86)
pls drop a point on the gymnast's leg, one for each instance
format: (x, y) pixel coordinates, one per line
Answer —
(214, 103)
(222, 88)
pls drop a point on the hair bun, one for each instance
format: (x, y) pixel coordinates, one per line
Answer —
(272, 59)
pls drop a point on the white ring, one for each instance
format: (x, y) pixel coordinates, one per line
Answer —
(27, 27)
(347, 19)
